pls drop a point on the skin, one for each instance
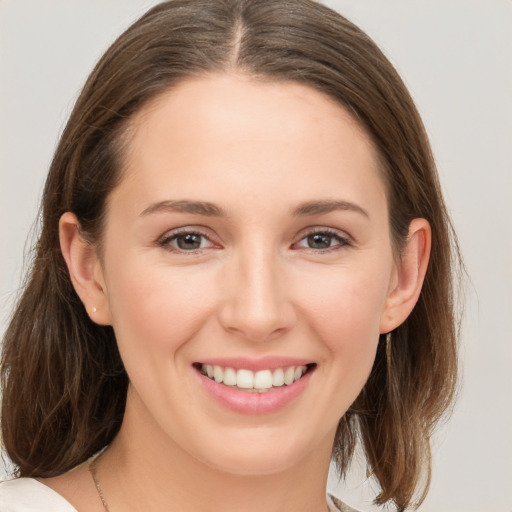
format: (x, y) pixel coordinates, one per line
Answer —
(254, 288)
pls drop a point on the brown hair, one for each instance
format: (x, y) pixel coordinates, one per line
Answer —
(64, 385)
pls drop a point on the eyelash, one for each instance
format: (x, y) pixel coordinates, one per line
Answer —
(343, 241)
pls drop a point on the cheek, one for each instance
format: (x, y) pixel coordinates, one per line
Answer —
(345, 312)
(349, 301)
(156, 307)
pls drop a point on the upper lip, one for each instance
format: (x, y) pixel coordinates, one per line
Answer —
(256, 364)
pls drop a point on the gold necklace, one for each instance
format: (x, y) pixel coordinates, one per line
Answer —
(92, 470)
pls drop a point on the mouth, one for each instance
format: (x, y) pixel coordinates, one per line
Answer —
(261, 381)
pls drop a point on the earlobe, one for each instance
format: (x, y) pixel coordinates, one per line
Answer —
(411, 271)
(84, 269)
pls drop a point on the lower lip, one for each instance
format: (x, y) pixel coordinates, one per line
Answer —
(254, 403)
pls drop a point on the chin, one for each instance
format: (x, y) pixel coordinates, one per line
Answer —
(260, 455)
(255, 465)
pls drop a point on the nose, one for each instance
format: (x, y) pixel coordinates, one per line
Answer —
(256, 304)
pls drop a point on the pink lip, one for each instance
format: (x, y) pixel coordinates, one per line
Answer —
(254, 403)
(255, 364)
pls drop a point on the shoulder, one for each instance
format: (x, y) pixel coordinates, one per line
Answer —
(335, 505)
(30, 495)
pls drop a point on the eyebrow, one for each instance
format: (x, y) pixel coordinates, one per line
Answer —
(185, 206)
(208, 209)
(327, 206)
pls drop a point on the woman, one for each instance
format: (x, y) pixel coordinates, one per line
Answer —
(244, 267)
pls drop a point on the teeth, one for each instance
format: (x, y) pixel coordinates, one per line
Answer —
(278, 378)
(289, 376)
(263, 379)
(218, 374)
(245, 379)
(260, 381)
(230, 377)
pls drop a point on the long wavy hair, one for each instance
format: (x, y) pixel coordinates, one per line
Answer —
(63, 382)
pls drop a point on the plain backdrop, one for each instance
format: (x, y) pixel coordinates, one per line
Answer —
(455, 56)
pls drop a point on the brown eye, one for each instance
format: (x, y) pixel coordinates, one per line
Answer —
(323, 241)
(187, 241)
(319, 240)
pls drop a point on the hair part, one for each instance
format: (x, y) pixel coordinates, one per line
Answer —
(62, 375)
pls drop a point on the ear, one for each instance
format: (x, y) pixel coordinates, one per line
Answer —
(410, 273)
(84, 269)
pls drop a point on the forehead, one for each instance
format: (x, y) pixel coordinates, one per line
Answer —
(218, 132)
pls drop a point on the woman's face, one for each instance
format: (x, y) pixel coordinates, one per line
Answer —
(249, 236)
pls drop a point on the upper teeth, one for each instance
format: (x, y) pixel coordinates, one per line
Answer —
(261, 380)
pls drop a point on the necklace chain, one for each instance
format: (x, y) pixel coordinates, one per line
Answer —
(92, 470)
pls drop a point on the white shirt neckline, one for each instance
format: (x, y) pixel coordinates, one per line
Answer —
(30, 495)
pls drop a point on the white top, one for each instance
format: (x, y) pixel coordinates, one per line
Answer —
(30, 495)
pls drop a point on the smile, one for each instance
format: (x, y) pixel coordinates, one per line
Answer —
(260, 381)
(270, 385)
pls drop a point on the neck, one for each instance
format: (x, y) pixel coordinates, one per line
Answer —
(144, 467)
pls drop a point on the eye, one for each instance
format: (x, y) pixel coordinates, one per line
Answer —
(323, 240)
(186, 241)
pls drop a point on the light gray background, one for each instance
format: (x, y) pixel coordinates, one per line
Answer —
(455, 56)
